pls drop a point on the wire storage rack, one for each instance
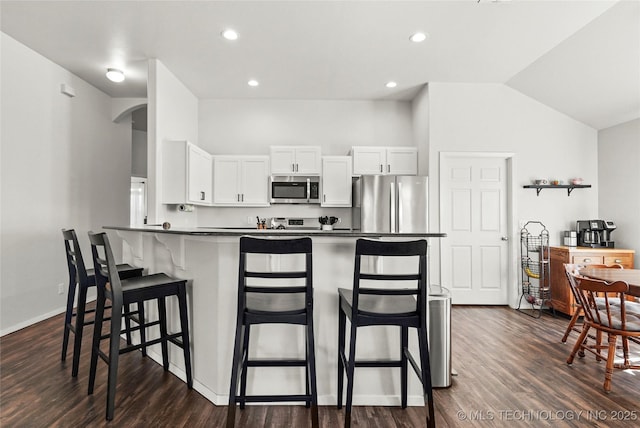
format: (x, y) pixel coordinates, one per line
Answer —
(535, 268)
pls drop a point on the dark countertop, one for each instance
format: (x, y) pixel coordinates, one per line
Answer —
(213, 231)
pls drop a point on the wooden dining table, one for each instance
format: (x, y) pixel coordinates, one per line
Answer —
(630, 276)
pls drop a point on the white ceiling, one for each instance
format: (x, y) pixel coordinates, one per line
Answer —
(579, 57)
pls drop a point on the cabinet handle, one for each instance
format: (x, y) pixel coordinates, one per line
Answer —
(293, 167)
(587, 260)
(618, 261)
(380, 167)
(238, 197)
(389, 168)
(242, 197)
(202, 196)
(324, 198)
(296, 167)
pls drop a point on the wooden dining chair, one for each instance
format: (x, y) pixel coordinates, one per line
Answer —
(570, 268)
(606, 310)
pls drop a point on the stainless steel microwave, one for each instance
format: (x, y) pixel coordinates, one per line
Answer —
(293, 189)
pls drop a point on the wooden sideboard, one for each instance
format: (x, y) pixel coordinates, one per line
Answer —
(561, 296)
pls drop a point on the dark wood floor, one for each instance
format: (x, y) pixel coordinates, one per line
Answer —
(511, 372)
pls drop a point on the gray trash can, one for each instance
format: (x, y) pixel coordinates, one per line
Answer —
(440, 336)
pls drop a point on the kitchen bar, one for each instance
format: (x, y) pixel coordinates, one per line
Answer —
(208, 258)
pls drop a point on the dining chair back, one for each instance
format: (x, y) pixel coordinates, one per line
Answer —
(606, 310)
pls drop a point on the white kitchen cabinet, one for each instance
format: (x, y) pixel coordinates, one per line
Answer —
(336, 181)
(385, 160)
(241, 181)
(186, 174)
(295, 160)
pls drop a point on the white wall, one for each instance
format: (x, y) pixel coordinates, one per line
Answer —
(139, 154)
(546, 143)
(251, 126)
(172, 115)
(65, 164)
(420, 121)
(619, 196)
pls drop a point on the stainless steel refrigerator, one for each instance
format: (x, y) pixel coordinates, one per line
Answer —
(391, 203)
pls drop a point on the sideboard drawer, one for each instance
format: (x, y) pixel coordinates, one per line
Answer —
(587, 260)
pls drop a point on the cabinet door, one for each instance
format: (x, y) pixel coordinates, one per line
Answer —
(199, 173)
(402, 161)
(283, 160)
(336, 181)
(255, 181)
(308, 161)
(369, 160)
(226, 180)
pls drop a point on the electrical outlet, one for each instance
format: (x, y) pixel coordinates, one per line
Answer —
(60, 288)
(251, 220)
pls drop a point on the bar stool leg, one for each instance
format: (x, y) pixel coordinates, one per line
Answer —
(79, 328)
(143, 329)
(67, 319)
(184, 326)
(95, 344)
(245, 366)
(404, 345)
(162, 314)
(311, 373)
(425, 366)
(114, 353)
(342, 321)
(351, 365)
(127, 325)
(235, 367)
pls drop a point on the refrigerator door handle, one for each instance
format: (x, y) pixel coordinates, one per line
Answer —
(394, 207)
(399, 208)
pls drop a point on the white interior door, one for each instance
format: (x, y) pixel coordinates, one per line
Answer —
(473, 213)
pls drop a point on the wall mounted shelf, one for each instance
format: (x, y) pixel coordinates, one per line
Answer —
(569, 187)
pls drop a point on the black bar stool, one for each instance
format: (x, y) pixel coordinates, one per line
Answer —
(158, 287)
(264, 299)
(81, 279)
(384, 305)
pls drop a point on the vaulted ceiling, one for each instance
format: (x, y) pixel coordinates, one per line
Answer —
(579, 57)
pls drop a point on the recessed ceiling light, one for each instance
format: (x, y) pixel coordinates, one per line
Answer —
(115, 75)
(418, 37)
(391, 84)
(253, 82)
(229, 34)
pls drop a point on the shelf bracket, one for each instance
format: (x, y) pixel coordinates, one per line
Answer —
(538, 189)
(569, 189)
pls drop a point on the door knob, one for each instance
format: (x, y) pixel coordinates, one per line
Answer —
(505, 238)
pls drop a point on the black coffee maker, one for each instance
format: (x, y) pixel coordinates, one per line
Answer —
(595, 233)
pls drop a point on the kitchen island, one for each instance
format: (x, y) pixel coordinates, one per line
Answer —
(208, 259)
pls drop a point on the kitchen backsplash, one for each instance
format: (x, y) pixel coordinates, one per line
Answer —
(238, 216)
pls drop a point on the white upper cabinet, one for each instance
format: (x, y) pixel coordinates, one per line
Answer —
(295, 160)
(385, 160)
(336, 181)
(241, 181)
(186, 174)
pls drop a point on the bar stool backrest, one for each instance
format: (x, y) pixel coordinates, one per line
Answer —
(105, 267)
(275, 281)
(418, 248)
(75, 262)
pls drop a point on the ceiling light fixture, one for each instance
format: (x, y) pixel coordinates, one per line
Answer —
(253, 83)
(391, 84)
(115, 75)
(229, 34)
(418, 37)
